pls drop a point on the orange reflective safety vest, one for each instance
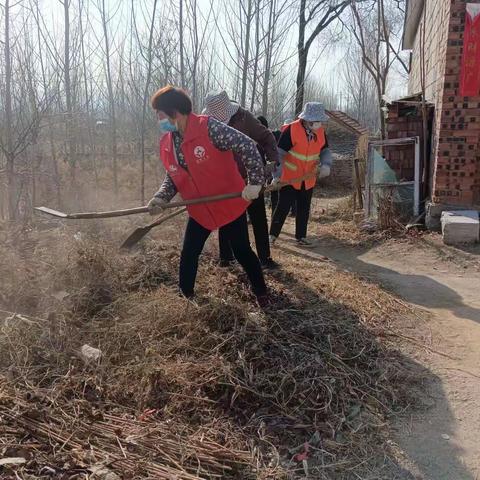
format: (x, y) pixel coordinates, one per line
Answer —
(303, 157)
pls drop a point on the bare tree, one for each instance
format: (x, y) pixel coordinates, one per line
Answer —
(256, 57)
(248, 14)
(23, 111)
(69, 125)
(7, 142)
(105, 18)
(181, 44)
(274, 32)
(88, 106)
(360, 88)
(237, 32)
(321, 13)
(46, 82)
(372, 30)
(198, 34)
(55, 84)
(148, 58)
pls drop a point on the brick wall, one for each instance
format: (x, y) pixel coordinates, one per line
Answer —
(342, 143)
(456, 126)
(457, 166)
(342, 171)
(405, 120)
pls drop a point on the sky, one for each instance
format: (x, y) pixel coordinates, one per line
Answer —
(324, 64)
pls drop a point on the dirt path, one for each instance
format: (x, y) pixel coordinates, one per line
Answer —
(441, 442)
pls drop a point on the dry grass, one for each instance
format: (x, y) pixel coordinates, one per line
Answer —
(212, 389)
(338, 223)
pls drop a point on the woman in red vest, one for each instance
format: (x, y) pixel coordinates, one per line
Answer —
(197, 153)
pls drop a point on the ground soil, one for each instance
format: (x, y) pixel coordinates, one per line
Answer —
(436, 315)
(441, 440)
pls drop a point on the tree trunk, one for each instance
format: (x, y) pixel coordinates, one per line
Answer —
(257, 54)
(268, 57)
(196, 53)
(246, 55)
(111, 102)
(68, 98)
(53, 154)
(10, 156)
(380, 111)
(302, 59)
(87, 103)
(302, 68)
(182, 59)
(145, 100)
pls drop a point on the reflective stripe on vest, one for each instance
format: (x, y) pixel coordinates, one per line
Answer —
(304, 158)
(290, 166)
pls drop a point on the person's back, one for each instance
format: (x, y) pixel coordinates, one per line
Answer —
(219, 106)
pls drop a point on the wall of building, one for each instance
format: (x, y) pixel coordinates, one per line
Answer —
(437, 20)
(456, 126)
(457, 166)
(343, 144)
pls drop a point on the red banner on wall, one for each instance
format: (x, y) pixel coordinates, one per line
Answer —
(470, 73)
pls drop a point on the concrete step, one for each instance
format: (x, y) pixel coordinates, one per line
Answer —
(460, 226)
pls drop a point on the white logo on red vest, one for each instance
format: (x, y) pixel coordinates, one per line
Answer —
(173, 168)
(199, 152)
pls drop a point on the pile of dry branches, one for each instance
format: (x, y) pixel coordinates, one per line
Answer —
(215, 388)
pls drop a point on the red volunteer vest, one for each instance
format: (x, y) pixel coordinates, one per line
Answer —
(210, 172)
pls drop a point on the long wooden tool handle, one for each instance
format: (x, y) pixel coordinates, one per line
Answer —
(183, 203)
(160, 220)
(134, 211)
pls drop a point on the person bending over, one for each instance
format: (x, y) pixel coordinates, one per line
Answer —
(197, 153)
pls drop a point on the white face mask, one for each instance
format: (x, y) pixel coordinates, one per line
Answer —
(315, 125)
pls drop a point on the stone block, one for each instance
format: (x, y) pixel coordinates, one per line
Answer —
(461, 226)
(434, 212)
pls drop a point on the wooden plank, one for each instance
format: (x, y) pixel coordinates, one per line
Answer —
(358, 183)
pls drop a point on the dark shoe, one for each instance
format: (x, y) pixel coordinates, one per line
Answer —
(188, 295)
(270, 264)
(304, 243)
(226, 263)
(265, 301)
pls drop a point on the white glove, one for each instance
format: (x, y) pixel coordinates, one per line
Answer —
(156, 206)
(324, 171)
(275, 181)
(251, 192)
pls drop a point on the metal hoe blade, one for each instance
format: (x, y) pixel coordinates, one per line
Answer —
(140, 232)
(50, 211)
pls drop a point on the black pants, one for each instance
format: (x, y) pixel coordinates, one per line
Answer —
(274, 200)
(237, 234)
(258, 217)
(287, 196)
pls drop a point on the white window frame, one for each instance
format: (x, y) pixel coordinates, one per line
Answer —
(415, 141)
